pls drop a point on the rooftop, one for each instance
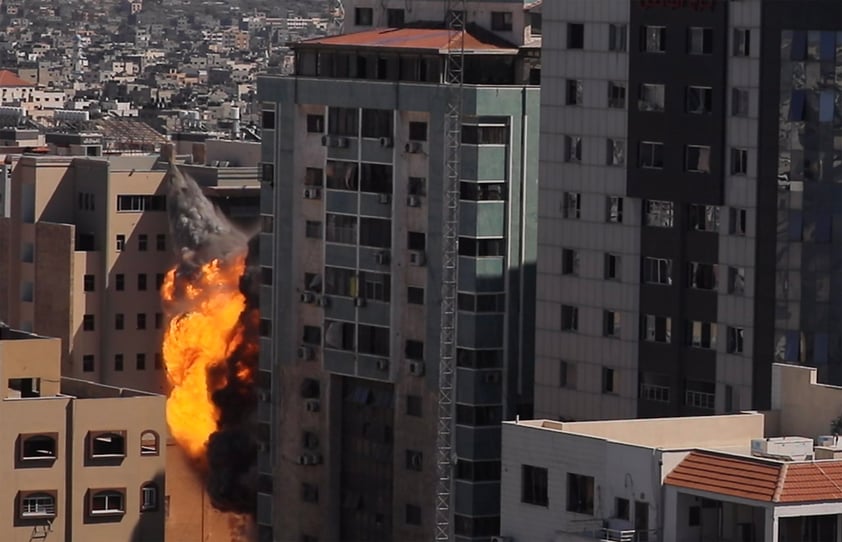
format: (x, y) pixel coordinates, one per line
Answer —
(10, 79)
(437, 40)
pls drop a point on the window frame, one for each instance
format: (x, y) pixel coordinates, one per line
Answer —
(145, 450)
(22, 497)
(108, 494)
(152, 489)
(584, 504)
(91, 440)
(26, 437)
(534, 485)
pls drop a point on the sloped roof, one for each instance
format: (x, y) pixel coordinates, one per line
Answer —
(759, 480)
(10, 79)
(430, 39)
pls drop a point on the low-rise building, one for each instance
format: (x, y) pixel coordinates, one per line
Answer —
(740, 477)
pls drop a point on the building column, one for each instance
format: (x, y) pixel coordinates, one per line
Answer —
(838, 527)
(770, 525)
(670, 514)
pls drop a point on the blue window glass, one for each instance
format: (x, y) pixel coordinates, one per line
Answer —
(796, 225)
(799, 45)
(796, 106)
(793, 346)
(823, 229)
(820, 341)
(827, 49)
(826, 106)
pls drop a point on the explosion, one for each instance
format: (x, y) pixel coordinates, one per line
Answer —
(210, 346)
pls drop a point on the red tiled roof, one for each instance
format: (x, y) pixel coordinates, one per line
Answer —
(409, 38)
(10, 79)
(759, 480)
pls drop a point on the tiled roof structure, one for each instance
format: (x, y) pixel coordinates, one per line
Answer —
(435, 39)
(10, 79)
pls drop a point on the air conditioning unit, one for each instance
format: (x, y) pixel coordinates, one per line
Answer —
(308, 297)
(417, 258)
(492, 377)
(382, 258)
(785, 448)
(382, 364)
(305, 353)
(414, 147)
(413, 201)
(416, 368)
(387, 142)
(828, 441)
(323, 301)
(340, 142)
(359, 301)
(385, 199)
(312, 405)
(312, 193)
(326, 139)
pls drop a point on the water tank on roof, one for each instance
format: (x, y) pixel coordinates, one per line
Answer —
(12, 112)
(71, 115)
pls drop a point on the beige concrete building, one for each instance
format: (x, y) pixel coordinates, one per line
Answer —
(82, 461)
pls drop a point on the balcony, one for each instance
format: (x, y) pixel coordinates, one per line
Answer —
(613, 530)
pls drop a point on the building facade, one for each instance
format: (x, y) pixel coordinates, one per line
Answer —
(671, 275)
(84, 461)
(351, 256)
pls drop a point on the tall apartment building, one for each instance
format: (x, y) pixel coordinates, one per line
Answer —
(82, 461)
(352, 203)
(687, 234)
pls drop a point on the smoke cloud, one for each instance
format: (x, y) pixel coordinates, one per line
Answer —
(202, 235)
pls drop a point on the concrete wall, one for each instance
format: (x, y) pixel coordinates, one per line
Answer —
(803, 406)
(31, 358)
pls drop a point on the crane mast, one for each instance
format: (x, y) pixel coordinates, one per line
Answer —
(455, 18)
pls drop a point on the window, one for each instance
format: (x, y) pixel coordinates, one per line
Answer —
(572, 148)
(342, 121)
(414, 460)
(569, 262)
(580, 493)
(699, 100)
(119, 321)
(614, 209)
(621, 508)
(37, 505)
(341, 229)
(267, 119)
(654, 387)
(375, 232)
(89, 282)
(501, 21)
(159, 320)
(118, 362)
(88, 322)
(107, 444)
(414, 405)
(612, 267)
(703, 217)
(651, 155)
(372, 340)
(315, 124)
(88, 363)
(141, 320)
(418, 131)
(119, 282)
(571, 205)
(575, 35)
(413, 514)
(121, 242)
(658, 214)
(481, 527)
(363, 16)
(140, 362)
(394, 18)
(569, 318)
(566, 375)
(616, 152)
(701, 334)
(312, 335)
(656, 329)
(141, 282)
(699, 40)
(700, 394)
(138, 203)
(737, 221)
(485, 134)
(479, 359)
(736, 280)
(313, 176)
(160, 242)
(107, 502)
(739, 161)
(142, 241)
(535, 23)
(617, 37)
(653, 39)
(415, 295)
(149, 442)
(608, 376)
(611, 324)
(534, 486)
(657, 271)
(735, 337)
(313, 229)
(377, 123)
(651, 97)
(702, 275)
(35, 447)
(149, 497)
(742, 42)
(575, 92)
(616, 94)
(479, 415)
(739, 102)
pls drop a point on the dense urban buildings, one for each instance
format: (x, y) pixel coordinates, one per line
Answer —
(354, 152)
(83, 461)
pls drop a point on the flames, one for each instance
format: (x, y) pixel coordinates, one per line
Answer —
(204, 335)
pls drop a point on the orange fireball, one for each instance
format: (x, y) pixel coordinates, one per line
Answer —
(203, 331)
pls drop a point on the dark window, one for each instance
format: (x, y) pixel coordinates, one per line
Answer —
(363, 16)
(118, 321)
(569, 262)
(651, 155)
(703, 217)
(569, 318)
(477, 471)
(375, 232)
(575, 92)
(414, 460)
(121, 242)
(608, 376)
(312, 335)
(621, 508)
(742, 42)
(141, 282)
(414, 349)
(616, 94)
(653, 39)
(612, 266)
(481, 527)
(700, 334)
(658, 214)
(267, 119)
(535, 23)
(158, 361)
(414, 405)
(373, 340)
(37, 505)
(265, 327)
(149, 497)
(38, 447)
(394, 18)
(313, 229)
(377, 123)
(735, 340)
(617, 37)
(736, 280)
(141, 320)
(699, 40)
(89, 283)
(413, 514)
(137, 203)
(571, 205)
(485, 135)
(88, 322)
(580, 493)
(149, 443)
(313, 176)
(140, 362)
(105, 503)
(88, 363)
(616, 152)
(501, 21)
(309, 492)
(376, 178)
(142, 242)
(534, 487)
(479, 415)
(342, 121)
(737, 221)
(315, 124)
(573, 148)
(614, 209)
(656, 329)
(418, 131)
(107, 444)
(415, 295)
(611, 323)
(416, 240)
(739, 161)
(739, 102)
(160, 242)
(479, 359)
(699, 100)
(481, 247)
(657, 271)
(159, 320)
(652, 97)
(702, 275)
(118, 362)
(575, 35)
